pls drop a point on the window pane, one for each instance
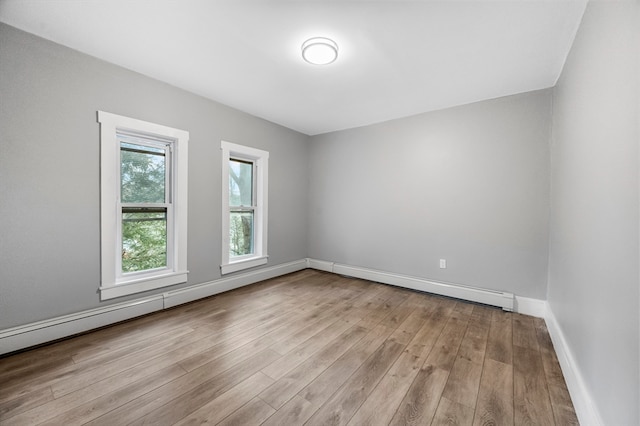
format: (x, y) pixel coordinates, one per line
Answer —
(142, 174)
(240, 233)
(240, 183)
(144, 239)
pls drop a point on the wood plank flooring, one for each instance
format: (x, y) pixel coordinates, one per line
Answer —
(307, 348)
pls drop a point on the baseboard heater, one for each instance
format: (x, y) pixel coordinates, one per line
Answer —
(36, 333)
(473, 294)
(29, 335)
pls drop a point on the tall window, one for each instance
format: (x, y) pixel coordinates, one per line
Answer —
(244, 204)
(144, 205)
(242, 207)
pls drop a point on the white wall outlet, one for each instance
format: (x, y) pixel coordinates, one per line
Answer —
(443, 263)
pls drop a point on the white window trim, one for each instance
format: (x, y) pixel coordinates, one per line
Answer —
(261, 161)
(112, 284)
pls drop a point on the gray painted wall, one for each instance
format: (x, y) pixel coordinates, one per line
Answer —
(49, 174)
(593, 264)
(468, 184)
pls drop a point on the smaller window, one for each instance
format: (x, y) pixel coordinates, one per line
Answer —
(244, 207)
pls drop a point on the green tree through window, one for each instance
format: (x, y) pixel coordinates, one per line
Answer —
(241, 202)
(144, 214)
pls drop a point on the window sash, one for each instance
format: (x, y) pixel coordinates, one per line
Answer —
(252, 188)
(155, 145)
(121, 275)
(243, 209)
(158, 144)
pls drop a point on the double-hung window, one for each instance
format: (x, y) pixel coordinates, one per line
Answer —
(244, 207)
(143, 205)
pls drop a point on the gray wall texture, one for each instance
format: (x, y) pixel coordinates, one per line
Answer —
(49, 174)
(593, 262)
(468, 184)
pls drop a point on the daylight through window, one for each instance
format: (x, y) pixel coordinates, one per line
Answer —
(143, 205)
(244, 207)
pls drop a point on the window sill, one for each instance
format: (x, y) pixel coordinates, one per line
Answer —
(142, 284)
(243, 264)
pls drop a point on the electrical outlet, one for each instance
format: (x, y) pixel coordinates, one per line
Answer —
(443, 263)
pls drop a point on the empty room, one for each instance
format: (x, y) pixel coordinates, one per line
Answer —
(320, 212)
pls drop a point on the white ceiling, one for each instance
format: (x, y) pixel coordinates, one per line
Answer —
(396, 58)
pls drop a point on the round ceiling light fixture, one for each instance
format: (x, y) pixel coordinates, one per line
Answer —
(319, 51)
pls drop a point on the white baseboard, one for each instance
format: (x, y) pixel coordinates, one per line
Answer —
(199, 291)
(320, 265)
(588, 414)
(489, 297)
(28, 335)
(534, 307)
(36, 333)
(25, 336)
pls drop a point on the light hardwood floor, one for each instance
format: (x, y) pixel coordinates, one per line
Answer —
(307, 348)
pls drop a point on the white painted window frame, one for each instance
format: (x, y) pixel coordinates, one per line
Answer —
(113, 282)
(260, 160)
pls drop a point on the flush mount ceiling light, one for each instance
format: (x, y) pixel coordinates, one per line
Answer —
(319, 51)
